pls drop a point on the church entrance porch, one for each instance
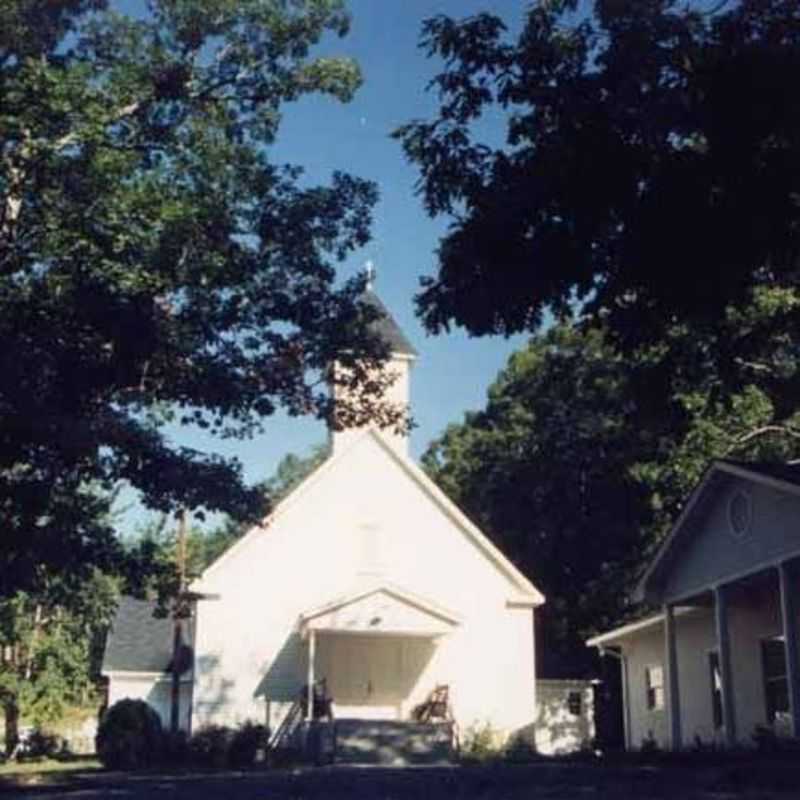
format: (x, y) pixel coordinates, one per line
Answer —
(371, 651)
(372, 677)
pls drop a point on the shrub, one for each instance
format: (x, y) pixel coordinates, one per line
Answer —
(129, 735)
(285, 757)
(219, 746)
(245, 744)
(209, 746)
(481, 743)
(175, 749)
(41, 744)
(520, 751)
(767, 740)
(649, 745)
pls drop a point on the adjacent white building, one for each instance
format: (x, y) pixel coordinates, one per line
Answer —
(720, 658)
(366, 576)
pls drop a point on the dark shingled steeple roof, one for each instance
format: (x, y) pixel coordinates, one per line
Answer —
(386, 327)
(138, 641)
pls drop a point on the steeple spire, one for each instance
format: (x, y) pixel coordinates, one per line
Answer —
(386, 328)
(369, 269)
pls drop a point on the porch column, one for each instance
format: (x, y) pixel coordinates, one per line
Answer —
(726, 673)
(787, 579)
(626, 700)
(312, 646)
(673, 689)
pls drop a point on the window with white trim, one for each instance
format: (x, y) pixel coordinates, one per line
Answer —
(776, 686)
(654, 687)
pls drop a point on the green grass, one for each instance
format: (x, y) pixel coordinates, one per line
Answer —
(25, 773)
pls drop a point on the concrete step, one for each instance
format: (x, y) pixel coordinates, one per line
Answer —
(390, 742)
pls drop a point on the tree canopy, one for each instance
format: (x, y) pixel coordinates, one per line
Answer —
(651, 168)
(155, 264)
(542, 469)
(51, 650)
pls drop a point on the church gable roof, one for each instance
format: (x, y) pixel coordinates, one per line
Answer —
(525, 593)
(528, 593)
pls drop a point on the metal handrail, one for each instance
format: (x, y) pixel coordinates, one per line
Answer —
(288, 723)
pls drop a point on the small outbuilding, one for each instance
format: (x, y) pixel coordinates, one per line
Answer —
(137, 662)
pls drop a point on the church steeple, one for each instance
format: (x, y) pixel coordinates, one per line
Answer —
(400, 362)
(386, 328)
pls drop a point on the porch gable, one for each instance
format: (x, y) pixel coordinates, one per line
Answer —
(380, 610)
(739, 520)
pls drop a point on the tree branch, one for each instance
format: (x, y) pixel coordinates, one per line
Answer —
(784, 430)
(120, 114)
(754, 365)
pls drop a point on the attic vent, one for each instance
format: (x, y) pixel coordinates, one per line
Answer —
(740, 514)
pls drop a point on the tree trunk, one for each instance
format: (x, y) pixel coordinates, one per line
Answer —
(11, 712)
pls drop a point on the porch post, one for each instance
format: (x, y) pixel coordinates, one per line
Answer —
(726, 673)
(626, 700)
(312, 646)
(789, 619)
(673, 689)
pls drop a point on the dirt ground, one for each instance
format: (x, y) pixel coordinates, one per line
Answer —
(531, 782)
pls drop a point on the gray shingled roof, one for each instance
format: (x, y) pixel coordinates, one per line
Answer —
(138, 641)
(386, 327)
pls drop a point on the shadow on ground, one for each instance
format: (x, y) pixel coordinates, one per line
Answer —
(531, 782)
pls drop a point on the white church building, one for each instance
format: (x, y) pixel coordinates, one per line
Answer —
(367, 581)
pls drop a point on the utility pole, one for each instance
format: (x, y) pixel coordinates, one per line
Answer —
(179, 613)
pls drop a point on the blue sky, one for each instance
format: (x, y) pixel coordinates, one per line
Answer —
(453, 371)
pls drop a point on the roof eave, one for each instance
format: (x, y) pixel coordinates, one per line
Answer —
(615, 635)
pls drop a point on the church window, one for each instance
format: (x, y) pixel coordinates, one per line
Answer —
(575, 703)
